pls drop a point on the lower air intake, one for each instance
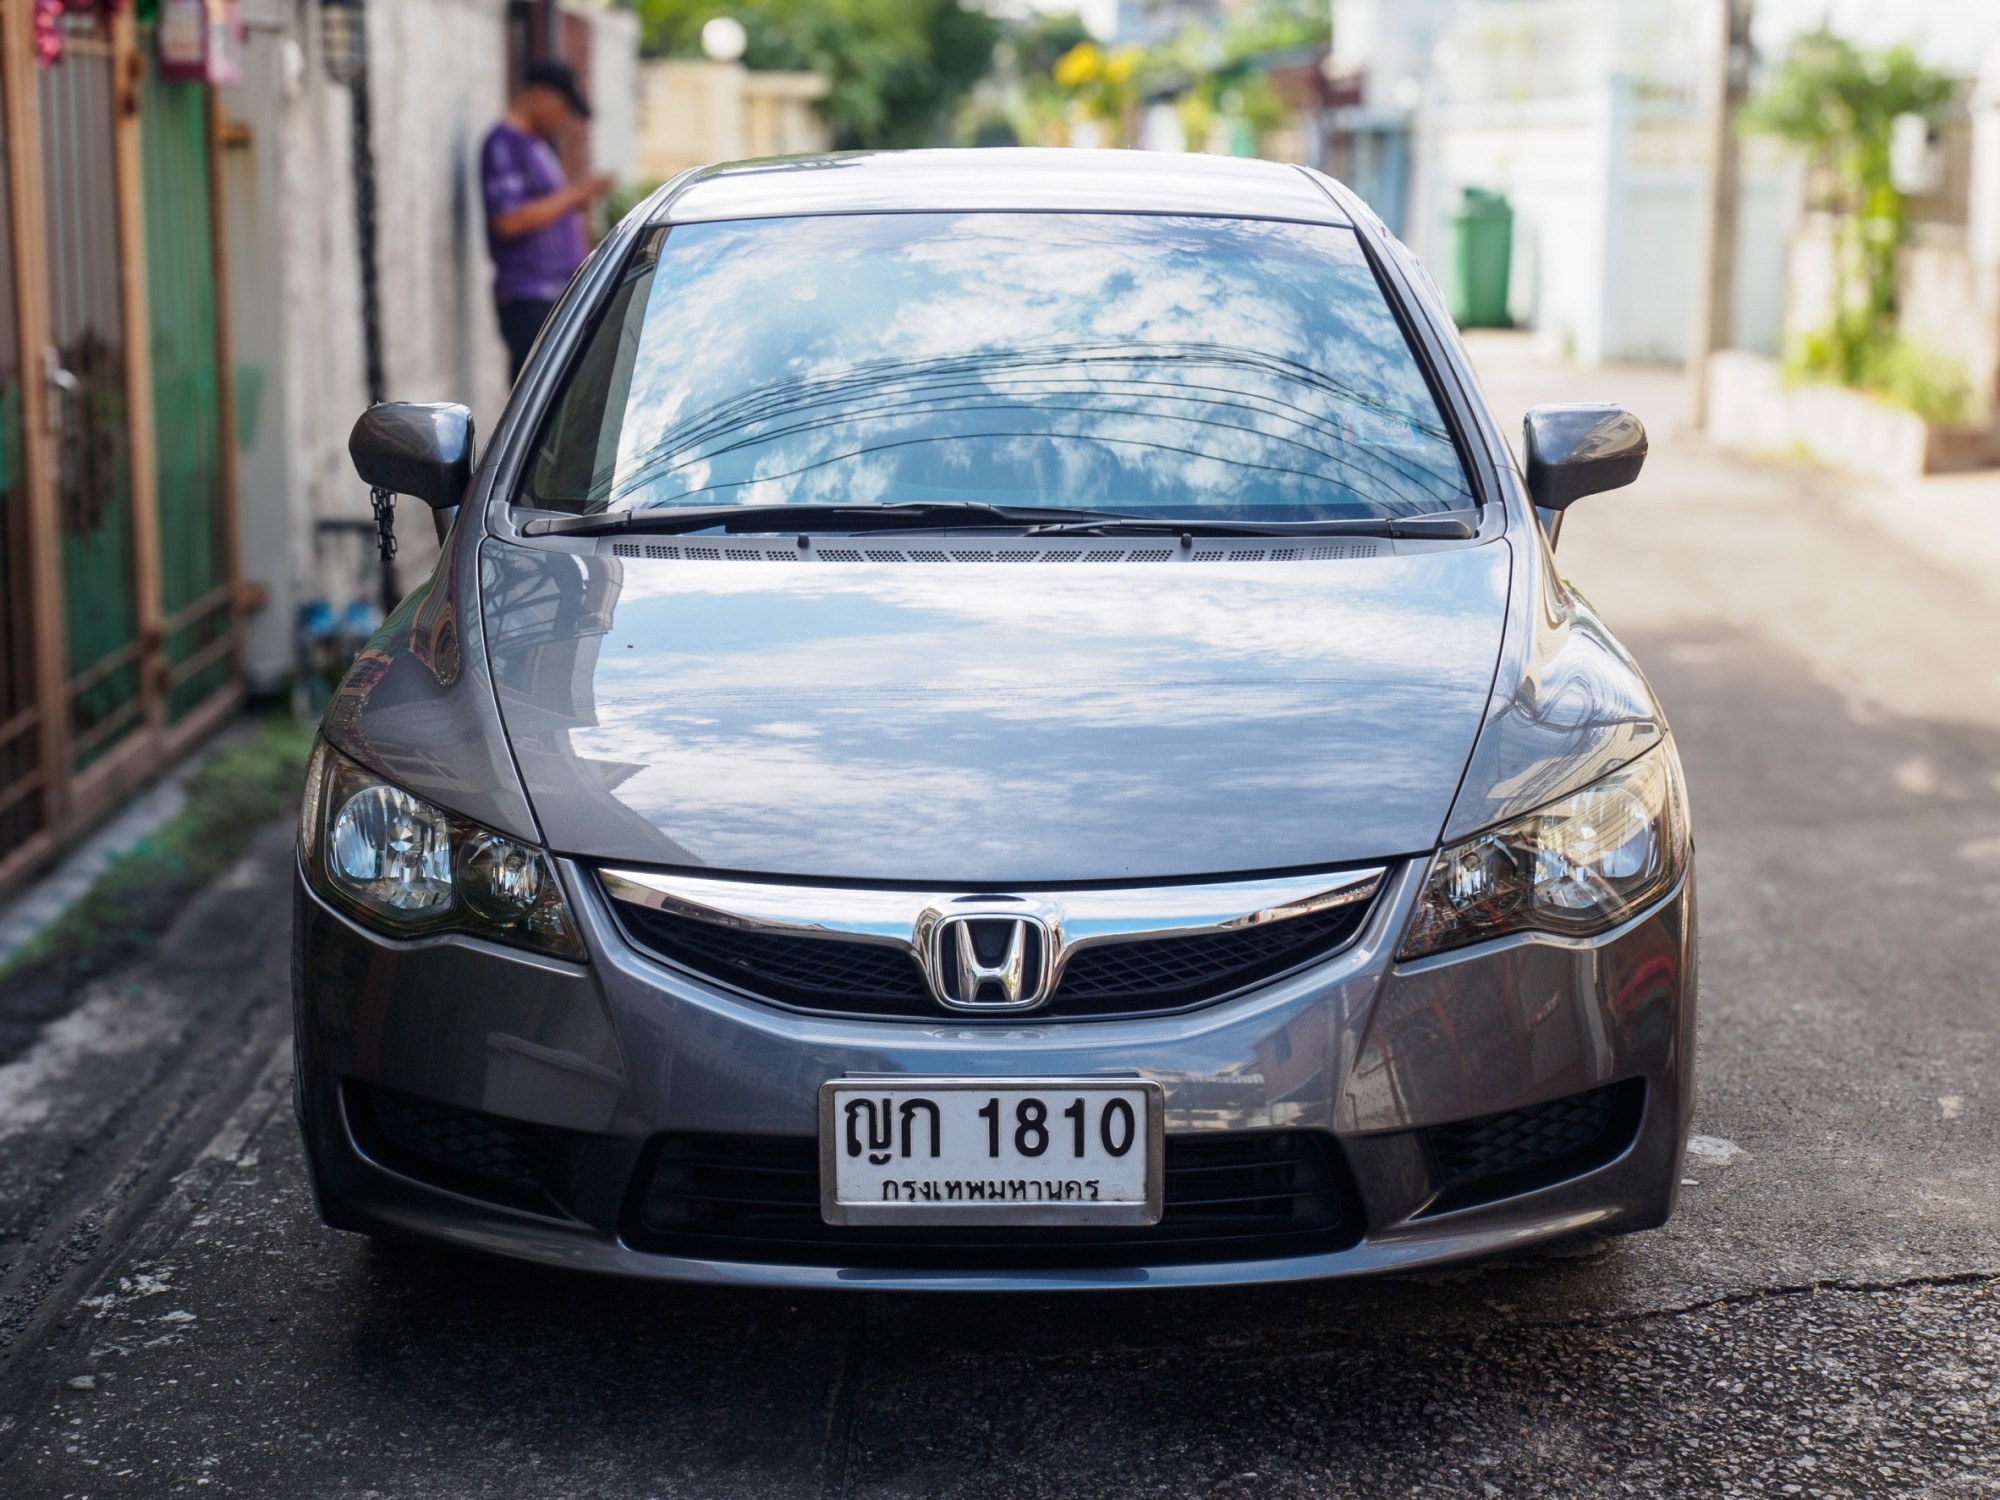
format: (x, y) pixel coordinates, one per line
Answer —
(1497, 1156)
(461, 1150)
(1229, 1196)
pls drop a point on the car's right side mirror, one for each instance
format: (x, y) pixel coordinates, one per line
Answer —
(1574, 451)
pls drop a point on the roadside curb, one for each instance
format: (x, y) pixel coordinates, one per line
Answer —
(39, 905)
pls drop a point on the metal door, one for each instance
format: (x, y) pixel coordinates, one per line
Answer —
(190, 484)
(99, 684)
(89, 393)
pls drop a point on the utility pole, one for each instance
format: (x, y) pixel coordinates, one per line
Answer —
(1715, 279)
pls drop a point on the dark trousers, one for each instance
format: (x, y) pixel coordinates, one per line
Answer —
(520, 320)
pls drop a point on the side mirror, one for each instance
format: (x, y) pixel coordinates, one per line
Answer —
(415, 448)
(1575, 451)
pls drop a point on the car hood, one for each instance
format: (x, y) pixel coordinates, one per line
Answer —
(988, 725)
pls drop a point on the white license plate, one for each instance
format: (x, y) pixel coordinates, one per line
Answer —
(909, 1150)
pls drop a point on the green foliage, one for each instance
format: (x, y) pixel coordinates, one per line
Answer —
(231, 799)
(1212, 71)
(1839, 103)
(896, 68)
(1932, 385)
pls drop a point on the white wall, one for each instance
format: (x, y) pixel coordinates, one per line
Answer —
(1547, 158)
(438, 82)
(295, 319)
(1587, 114)
(614, 92)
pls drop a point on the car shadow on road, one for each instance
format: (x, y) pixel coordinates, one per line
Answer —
(1431, 1384)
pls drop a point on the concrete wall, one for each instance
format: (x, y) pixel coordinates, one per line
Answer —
(614, 92)
(295, 319)
(438, 81)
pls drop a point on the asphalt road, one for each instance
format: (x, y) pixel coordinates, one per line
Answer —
(1821, 1318)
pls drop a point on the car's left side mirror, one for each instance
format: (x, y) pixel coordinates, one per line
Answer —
(418, 448)
(1575, 451)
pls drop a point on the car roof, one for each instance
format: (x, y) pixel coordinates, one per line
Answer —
(1001, 178)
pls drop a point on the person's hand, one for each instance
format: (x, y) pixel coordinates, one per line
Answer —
(595, 187)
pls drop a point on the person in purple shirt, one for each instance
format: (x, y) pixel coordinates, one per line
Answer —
(534, 219)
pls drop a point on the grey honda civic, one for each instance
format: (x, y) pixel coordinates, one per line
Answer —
(995, 719)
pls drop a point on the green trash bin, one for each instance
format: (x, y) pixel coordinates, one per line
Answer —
(1482, 253)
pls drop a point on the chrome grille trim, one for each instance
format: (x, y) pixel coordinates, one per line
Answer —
(1073, 921)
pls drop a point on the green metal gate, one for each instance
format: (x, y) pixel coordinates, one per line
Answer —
(118, 595)
(195, 603)
(93, 467)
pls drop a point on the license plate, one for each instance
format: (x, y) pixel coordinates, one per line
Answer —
(1082, 1151)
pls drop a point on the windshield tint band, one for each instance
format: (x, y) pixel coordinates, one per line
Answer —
(1153, 365)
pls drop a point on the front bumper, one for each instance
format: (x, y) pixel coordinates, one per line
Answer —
(1359, 1049)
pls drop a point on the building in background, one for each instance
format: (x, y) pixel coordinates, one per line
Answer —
(1377, 72)
(1588, 117)
(1591, 119)
(438, 75)
(693, 111)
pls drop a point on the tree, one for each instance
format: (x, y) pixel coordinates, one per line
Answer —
(1212, 68)
(1839, 103)
(896, 68)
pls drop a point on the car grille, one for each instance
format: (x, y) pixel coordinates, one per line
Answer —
(1178, 971)
(462, 1150)
(1234, 1196)
(1495, 1156)
(839, 976)
(812, 973)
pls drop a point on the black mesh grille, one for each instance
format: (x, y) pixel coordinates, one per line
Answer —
(1497, 1155)
(814, 973)
(1177, 971)
(844, 977)
(1228, 1197)
(464, 1150)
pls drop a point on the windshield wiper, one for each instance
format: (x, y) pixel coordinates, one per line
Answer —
(1434, 528)
(912, 515)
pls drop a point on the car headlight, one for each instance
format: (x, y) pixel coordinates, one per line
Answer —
(1578, 866)
(407, 868)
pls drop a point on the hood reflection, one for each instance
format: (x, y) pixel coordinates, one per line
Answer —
(980, 725)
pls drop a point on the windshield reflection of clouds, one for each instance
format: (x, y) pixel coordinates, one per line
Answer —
(1132, 362)
(906, 705)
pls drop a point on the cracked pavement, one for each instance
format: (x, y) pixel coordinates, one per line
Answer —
(1821, 1318)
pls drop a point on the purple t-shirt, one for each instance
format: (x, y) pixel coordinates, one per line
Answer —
(515, 168)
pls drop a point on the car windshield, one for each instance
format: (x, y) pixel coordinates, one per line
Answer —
(1166, 367)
